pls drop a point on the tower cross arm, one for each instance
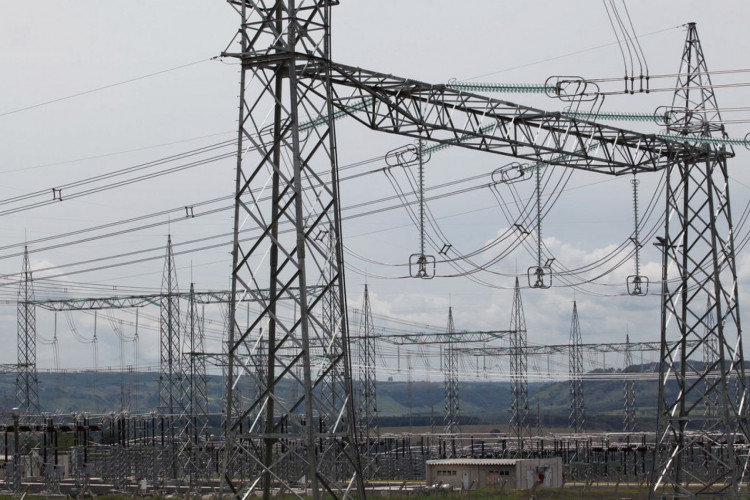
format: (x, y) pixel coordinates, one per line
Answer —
(459, 337)
(441, 114)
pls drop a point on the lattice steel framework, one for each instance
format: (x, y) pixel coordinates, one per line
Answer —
(440, 114)
(451, 414)
(194, 390)
(577, 418)
(699, 268)
(287, 174)
(285, 47)
(367, 405)
(170, 371)
(27, 384)
(331, 390)
(710, 348)
(519, 386)
(628, 422)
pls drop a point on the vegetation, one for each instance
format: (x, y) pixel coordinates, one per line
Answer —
(482, 403)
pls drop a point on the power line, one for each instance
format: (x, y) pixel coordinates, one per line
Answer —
(105, 87)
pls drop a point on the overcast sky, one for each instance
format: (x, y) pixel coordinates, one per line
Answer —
(53, 50)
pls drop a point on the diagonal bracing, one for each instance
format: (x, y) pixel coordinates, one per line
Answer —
(302, 432)
(519, 385)
(699, 269)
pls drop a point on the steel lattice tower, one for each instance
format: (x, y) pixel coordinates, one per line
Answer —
(287, 174)
(450, 369)
(367, 404)
(699, 268)
(235, 403)
(710, 348)
(169, 326)
(577, 419)
(332, 318)
(27, 384)
(519, 387)
(170, 372)
(194, 389)
(628, 424)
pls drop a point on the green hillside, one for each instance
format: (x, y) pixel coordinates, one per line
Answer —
(481, 402)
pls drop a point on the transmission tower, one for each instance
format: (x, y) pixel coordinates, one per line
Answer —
(368, 408)
(519, 387)
(410, 391)
(450, 369)
(333, 383)
(27, 384)
(699, 268)
(287, 152)
(710, 348)
(170, 374)
(577, 419)
(287, 173)
(629, 390)
(195, 388)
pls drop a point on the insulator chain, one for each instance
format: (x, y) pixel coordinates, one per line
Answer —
(539, 276)
(637, 284)
(421, 265)
(538, 217)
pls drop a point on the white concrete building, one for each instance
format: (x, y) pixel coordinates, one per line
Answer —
(480, 473)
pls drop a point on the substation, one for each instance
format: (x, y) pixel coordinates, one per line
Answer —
(299, 412)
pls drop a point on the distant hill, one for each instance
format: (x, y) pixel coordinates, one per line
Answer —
(480, 402)
(489, 402)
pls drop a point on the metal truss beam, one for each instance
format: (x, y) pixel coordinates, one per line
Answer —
(440, 114)
(447, 337)
(154, 299)
(541, 350)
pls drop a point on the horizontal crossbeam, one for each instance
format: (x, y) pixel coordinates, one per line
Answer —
(441, 114)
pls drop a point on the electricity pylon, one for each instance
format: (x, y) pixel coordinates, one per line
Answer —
(367, 404)
(577, 419)
(519, 386)
(27, 384)
(699, 268)
(628, 423)
(287, 174)
(452, 414)
(170, 372)
(194, 420)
